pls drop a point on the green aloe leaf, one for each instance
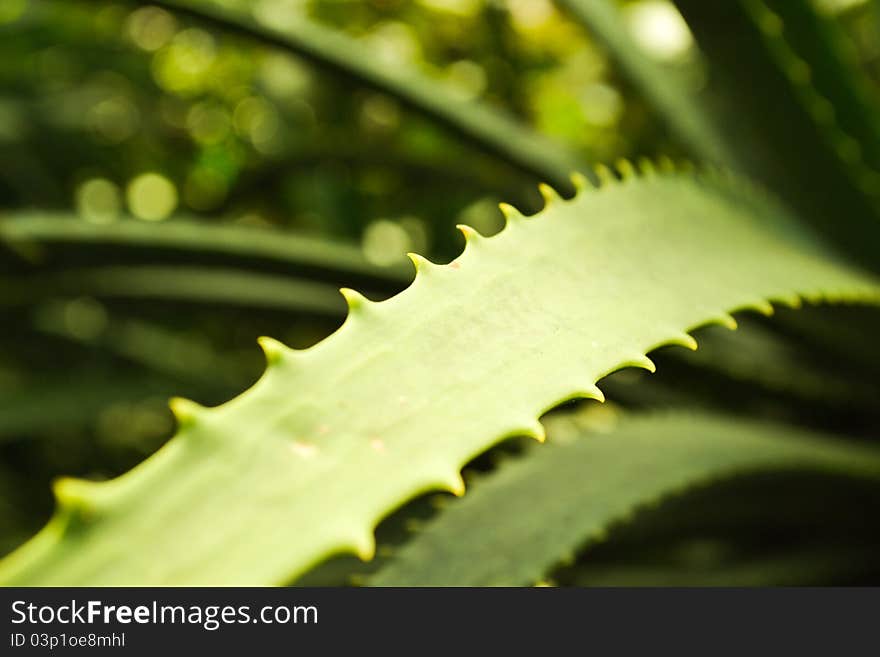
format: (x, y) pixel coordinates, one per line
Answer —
(176, 283)
(32, 233)
(849, 106)
(534, 513)
(783, 127)
(670, 95)
(331, 439)
(484, 126)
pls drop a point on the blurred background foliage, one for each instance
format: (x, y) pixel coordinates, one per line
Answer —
(120, 111)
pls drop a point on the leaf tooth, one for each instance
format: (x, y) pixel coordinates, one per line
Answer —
(682, 340)
(452, 482)
(726, 320)
(78, 496)
(274, 350)
(186, 411)
(533, 429)
(647, 167)
(640, 360)
(790, 300)
(548, 194)
(511, 214)
(760, 305)
(589, 391)
(421, 263)
(356, 301)
(580, 181)
(471, 235)
(364, 545)
(605, 175)
(625, 168)
(665, 164)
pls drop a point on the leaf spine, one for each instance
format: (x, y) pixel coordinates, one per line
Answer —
(549, 194)
(726, 320)
(454, 483)
(471, 235)
(625, 168)
(364, 546)
(642, 361)
(605, 175)
(534, 430)
(511, 214)
(79, 496)
(421, 263)
(272, 349)
(762, 306)
(355, 300)
(579, 181)
(646, 166)
(186, 411)
(590, 392)
(683, 340)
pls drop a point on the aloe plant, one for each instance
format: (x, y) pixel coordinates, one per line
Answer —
(413, 388)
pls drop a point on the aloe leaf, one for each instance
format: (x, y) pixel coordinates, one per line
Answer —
(237, 244)
(779, 122)
(63, 402)
(331, 439)
(182, 356)
(534, 513)
(176, 283)
(851, 113)
(814, 566)
(666, 90)
(484, 126)
(760, 356)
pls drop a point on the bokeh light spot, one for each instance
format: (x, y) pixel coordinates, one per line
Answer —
(151, 197)
(659, 29)
(150, 28)
(99, 201)
(84, 318)
(183, 65)
(385, 242)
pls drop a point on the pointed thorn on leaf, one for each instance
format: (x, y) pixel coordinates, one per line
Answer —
(365, 546)
(272, 349)
(728, 321)
(548, 193)
(626, 169)
(421, 263)
(579, 181)
(355, 300)
(644, 362)
(470, 234)
(510, 213)
(606, 177)
(185, 410)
